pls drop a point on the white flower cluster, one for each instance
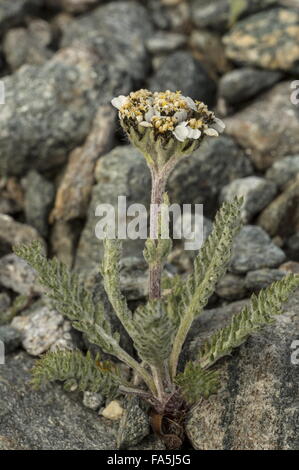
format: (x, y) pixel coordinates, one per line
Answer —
(168, 112)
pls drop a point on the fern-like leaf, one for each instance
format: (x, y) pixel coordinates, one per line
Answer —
(209, 266)
(69, 297)
(196, 382)
(260, 312)
(213, 258)
(153, 333)
(75, 369)
(111, 276)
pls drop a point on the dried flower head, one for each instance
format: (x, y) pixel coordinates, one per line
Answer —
(164, 124)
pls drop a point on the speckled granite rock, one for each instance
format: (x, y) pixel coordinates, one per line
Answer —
(164, 42)
(284, 170)
(242, 84)
(219, 13)
(180, 71)
(134, 425)
(39, 198)
(116, 32)
(200, 178)
(253, 249)
(44, 329)
(257, 193)
(46, 420)
(49, 109)
(268, 127)
(22, 46)
(268, 39)
(257, 407)
(282, 215)
(122, 172)
(17, 275)
(173, 15)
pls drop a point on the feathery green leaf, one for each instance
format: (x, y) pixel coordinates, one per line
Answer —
(153, 333)
(260, 312)
(196, 382)
(75, 369)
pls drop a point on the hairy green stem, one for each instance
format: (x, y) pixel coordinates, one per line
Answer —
(129, 360)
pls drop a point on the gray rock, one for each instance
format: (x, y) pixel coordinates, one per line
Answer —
(122, 172)
(180, 71)
(200, 177)
(219, 14)
(4, 303)
(92, 400)
(49, 109)
(292, 247)
(164, 42)
(44, 329)
(253, 249)
(72, 6)
(151, 442)
(39, 198)
(10, 337)
(14, 233)
(64, 236)
(245, 83)
(47, 420)
(207, 45)
(12, 13)
(256, 280)
(263, 39)
(20, 47)
(257, 406)
(284, 170)
(268, 127)
(17, 275)
(134, 425)
(116, 33)
(231, 287)
(257, 193)
(281, 217)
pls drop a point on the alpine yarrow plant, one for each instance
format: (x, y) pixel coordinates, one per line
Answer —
(165, 127)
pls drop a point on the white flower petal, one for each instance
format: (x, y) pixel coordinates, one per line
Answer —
(119, 101)
(181, 131)
(211, 132)
(149, 114)
(218, 125)
(190, 103)
(180, 115)
(194, 133)
(145, 124)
